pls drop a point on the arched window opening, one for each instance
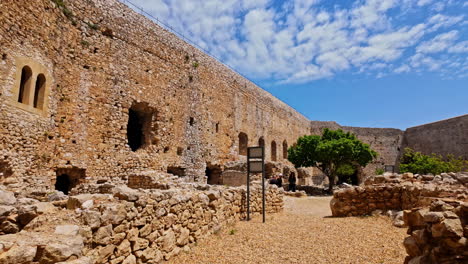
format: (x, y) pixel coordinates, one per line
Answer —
(261, 142)
(273, 151)
(285, 149)
(25, 85)
(243, 142)
(39, 91)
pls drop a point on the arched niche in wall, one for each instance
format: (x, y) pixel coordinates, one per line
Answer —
(39, 91)
(261, 142)
(273, 150)
(24, 92)
(243, 143)
(31, 88)
(285, 149)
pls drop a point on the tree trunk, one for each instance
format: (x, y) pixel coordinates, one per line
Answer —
(331, 183)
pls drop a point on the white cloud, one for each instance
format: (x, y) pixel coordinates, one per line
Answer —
(424, 2)
(403, 68)
(305, 40)
(420, 60)
(461, 47)
(438, 43)
(441, 21)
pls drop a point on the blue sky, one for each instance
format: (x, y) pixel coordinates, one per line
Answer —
(375, 63)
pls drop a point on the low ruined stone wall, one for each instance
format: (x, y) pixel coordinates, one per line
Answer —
(437, 234)
(128, 225)
(397, 192)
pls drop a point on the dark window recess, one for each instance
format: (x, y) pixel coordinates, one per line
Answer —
(273, 151)
(25, 85)
(63, 183)
(68, 178)
(5, 170)
(261, 142)
(39, 92)
(192, 121)
(217, 127)
(213, 172)
(178, 171)
(243, 142)
(139, 127)
(180, 151)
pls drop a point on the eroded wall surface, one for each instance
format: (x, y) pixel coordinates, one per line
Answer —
(443, 137)
(102, 62)
(102, 58)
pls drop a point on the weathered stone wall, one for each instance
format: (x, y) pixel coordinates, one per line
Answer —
(125, 226)
(103, 64)
(443, 137)
(102, 58)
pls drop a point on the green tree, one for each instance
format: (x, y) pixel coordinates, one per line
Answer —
(329, 152)
(345, 173)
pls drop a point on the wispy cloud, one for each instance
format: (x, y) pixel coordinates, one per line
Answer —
(305, 40)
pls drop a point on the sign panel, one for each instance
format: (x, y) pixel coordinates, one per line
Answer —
(389, 168)
(255, 152)
(256, 166)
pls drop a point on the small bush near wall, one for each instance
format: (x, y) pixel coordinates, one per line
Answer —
(416, 162)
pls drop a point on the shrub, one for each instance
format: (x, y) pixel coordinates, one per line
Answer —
(416, 162)
(379, 171)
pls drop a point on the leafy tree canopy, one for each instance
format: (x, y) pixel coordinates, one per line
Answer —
(330, 152)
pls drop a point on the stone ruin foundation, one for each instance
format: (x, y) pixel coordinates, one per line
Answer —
(434, 208)
(106, 223)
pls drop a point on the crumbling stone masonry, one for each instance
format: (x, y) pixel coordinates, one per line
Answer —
(92, 91)
(435, 210)
(122, 225)
(398, 192)
(121, 95)
(438, 234)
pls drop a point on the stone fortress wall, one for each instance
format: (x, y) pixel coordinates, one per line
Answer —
(444, 137)
(75, 76)
(106, 64)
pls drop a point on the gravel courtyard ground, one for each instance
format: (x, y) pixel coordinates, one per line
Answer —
(303, 233)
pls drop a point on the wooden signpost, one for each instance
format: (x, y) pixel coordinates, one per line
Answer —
(256, 164)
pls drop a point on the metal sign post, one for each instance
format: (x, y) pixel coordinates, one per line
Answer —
(255, 164)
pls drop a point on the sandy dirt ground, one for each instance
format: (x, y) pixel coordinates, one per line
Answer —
(303, 233)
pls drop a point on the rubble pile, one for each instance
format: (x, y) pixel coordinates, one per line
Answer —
(438, 234)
